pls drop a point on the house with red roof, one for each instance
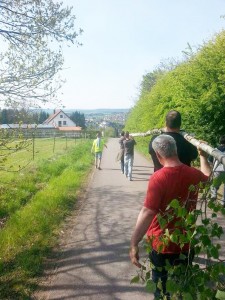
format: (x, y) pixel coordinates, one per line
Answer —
(59, 119)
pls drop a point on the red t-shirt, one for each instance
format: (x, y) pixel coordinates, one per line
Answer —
(165, 185)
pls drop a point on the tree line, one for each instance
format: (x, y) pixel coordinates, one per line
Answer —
(78, 118)
(194, 86)
(16, 116)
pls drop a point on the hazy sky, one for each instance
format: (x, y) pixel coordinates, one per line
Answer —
(125, 39)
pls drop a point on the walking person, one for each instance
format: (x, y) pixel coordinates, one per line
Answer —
(218, 170)
(121, 153)
(128, 143)
(185, 150)
(97, 148)
(172, 181)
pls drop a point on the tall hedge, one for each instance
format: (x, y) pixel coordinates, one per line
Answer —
(195, 87)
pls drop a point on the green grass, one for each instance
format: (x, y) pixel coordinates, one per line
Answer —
(41, 198)
(30, 153)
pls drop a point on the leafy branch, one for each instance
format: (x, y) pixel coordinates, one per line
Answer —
(204, 279)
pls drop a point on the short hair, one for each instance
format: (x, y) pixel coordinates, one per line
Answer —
(222, 140)
(122, 133)
(127, 134)
(165, 145)
(173, 119)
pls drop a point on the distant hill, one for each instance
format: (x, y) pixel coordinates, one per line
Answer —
(98, 111)
(87, 111)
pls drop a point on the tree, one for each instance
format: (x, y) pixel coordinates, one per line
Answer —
(4, 117)
(32, 32)
(78, 118)
(42, 117)
(195, 87)
(8, 116)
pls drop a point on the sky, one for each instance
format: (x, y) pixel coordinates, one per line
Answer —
(125, 39)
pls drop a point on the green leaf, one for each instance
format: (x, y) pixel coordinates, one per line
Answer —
(214, 215)
(150, 286)
(174, 203)
(190, 219)
(167, 233)
(220, 295)
(182, 256)
(214, 252)
(174, 238)
(181, 212)
(162, 221)
(187, 296)
(205, 240)
(206, 221)
(135, 279)
(172, 286)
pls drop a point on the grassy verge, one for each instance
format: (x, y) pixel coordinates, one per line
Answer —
(38, 149)
(31, 228)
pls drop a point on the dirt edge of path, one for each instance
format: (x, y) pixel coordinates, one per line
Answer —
(64, 232)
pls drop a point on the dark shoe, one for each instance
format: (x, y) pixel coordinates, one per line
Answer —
(99, 168)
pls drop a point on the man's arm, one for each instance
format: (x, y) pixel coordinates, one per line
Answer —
(144, 220)
(204, 164)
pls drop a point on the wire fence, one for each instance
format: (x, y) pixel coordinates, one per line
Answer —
(17, 153)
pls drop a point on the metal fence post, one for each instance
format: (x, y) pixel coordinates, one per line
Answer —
(54, 144)
(33, 138)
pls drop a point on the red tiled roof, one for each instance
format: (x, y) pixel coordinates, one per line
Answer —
(70, 128)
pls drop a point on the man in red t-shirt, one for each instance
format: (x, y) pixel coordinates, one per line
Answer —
(173, 181)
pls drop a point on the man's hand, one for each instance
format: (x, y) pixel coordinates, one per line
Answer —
(200, 151)
(134, 256)
(204, 164)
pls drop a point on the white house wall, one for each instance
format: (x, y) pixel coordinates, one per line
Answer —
(64, 119)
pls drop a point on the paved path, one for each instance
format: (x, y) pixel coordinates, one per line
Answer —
(94, 264)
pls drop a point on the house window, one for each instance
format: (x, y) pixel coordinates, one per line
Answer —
(61, 116)
(59, 123)
(64, 122)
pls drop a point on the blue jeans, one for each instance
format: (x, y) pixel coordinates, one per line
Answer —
(159, 261)
(214, 188)
(128, 165)
(122, 163)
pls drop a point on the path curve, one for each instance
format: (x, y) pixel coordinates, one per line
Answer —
(94, 262)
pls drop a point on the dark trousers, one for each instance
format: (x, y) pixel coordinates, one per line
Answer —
(159, 261)
(122, 163)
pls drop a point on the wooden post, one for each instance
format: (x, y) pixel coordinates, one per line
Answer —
(33, 138)
(54, 144)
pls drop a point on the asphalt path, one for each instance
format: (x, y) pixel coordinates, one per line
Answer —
(93, 262)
